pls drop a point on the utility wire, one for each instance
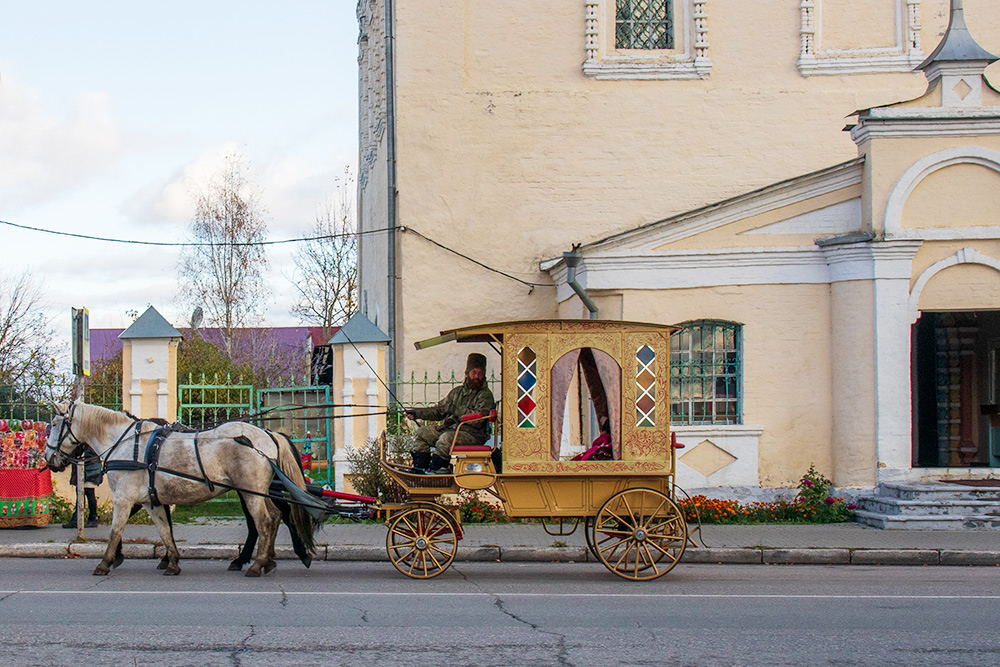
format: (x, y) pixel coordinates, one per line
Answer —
(175, 244)
(410, 230)
(181, 244)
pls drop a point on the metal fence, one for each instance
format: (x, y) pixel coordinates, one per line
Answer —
(34, 399)
(429, 390)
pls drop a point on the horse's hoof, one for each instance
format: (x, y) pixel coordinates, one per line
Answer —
(101, 570)
(253, 571)
(119, 559)
(269, 565)
(172, 571)
(162, 565)
(307, 560)
(235, 566)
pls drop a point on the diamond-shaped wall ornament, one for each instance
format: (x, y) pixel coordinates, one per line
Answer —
(707, 458)
(962, 89)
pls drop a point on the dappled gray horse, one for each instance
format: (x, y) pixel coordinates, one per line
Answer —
(190, 468)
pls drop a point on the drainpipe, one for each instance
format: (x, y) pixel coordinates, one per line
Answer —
(572, 260)
(390, 133)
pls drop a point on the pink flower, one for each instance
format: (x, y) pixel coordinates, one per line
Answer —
(829, 500)
(852, 507)
(808, 482)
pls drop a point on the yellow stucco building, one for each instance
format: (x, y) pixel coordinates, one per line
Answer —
(837, 289)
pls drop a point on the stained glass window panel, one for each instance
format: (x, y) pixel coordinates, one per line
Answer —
(645, 385)
(527, 378)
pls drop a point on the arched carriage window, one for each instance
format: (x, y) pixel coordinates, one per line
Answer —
(706, 373)
(586, 385)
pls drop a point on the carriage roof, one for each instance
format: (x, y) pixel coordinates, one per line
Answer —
(495, 332)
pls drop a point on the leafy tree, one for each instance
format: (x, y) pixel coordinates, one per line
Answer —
(224, 272)
(326, 270)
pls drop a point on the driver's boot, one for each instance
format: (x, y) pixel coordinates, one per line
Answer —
(438, 466)
(420, 461)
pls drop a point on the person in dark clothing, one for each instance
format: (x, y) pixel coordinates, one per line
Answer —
(434, 441)
(93, 475)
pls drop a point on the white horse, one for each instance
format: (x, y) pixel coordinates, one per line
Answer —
(190, 468)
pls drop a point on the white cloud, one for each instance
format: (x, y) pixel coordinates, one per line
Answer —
(45, 154)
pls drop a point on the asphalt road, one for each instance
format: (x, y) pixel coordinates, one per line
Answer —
(54, 612)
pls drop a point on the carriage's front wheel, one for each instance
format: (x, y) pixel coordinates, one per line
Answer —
(422, 542)
(639, 534)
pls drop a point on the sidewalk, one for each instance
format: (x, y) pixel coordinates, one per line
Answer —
(833, 544)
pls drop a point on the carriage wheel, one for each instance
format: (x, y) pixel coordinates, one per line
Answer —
(422, 542)
(639, 534)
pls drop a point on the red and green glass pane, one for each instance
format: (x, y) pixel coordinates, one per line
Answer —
(645, 383)
(527, 378)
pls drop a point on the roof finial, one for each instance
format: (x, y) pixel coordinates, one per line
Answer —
(957, 45)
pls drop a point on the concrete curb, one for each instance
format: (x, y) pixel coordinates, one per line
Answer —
(526, 554)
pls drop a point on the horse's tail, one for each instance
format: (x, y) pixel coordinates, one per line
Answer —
(290, 464)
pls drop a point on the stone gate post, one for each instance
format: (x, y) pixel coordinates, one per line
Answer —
(149, 367)
(359, 381)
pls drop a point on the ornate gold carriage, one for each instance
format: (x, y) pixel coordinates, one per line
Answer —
(583, 428)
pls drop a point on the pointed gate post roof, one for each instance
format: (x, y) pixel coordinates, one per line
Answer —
(958, 45)
(150, 325)
(359, 329)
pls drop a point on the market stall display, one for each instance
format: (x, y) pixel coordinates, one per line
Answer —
(25, 487)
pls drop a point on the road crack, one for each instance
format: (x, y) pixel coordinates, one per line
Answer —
(242, 648)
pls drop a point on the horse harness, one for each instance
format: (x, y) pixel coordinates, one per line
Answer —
(152, 457)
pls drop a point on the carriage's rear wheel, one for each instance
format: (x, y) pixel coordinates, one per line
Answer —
(422, 542)
(639, 534)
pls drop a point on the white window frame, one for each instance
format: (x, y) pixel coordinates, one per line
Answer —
(903, 57)
(689, 61)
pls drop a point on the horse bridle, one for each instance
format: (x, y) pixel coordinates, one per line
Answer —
(66, 429)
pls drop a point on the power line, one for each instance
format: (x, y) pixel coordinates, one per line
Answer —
(183, 244)
(304, 239)
(532, 286)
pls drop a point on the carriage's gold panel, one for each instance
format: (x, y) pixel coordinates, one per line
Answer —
(567, 496)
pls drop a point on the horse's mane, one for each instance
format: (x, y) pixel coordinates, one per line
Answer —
(92, 417)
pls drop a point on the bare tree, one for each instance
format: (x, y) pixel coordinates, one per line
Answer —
(26, 341)
(225, 273)
(326, 270)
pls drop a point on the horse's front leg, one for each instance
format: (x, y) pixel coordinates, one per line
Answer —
(162, 521)
(265, 516)
(246, 553)
(119, 518)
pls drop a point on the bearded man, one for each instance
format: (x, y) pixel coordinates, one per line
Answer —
(434, 441)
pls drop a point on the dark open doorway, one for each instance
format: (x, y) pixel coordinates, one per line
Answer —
(956, 389)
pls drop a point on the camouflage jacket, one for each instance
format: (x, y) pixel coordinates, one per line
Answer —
(462, 400)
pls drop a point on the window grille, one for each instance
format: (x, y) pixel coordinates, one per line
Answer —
(644, 24)
(706, 373)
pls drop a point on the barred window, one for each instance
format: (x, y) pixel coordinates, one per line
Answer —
(706, 373)
(644, 24)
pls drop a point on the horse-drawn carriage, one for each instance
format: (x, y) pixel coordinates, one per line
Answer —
(565, 383)
(581, 434)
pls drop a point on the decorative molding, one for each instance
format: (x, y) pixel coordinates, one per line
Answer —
(690, 63)
(768, 198)
(935, 122)
(921, 169)
(371, 84)
(839, 218)
(904, 57)
(963, 256)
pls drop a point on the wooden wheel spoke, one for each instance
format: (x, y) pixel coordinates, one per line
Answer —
(652, 561)
(628, 508)
(618, 563)
(404, 545)
(619, 520)
(412, 528)
(437, 563)
(645, 524)
(611, 547)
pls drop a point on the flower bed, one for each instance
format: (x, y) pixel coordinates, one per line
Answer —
(814, 503)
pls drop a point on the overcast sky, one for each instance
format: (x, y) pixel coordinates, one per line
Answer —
(110, 111)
